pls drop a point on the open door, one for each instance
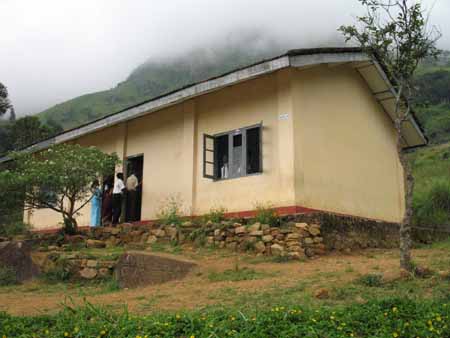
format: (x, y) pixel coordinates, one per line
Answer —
(135, 166)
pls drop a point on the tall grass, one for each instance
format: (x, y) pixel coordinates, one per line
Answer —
(432, 206)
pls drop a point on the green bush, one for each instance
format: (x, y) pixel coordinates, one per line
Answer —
(7, 276)
(13, 228)
(386, 318)
(170, 212)
(432, 206)
(215, 215)
(266, 214)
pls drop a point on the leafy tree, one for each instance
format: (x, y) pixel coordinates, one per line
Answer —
(58, 178)
(18, 134)
(5, 104)
(396, 32)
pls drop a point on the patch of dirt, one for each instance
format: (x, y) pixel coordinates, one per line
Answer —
(196, 291)
(135, 269)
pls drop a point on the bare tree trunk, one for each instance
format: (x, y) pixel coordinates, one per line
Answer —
(408, 185)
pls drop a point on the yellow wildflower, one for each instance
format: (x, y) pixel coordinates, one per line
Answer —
(394, 309)
(395, 335)
(66, 334)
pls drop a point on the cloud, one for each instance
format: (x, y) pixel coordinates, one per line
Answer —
(52, 50)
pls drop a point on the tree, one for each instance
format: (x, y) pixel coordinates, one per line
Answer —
(5, 104)
(58, 178)
(18, 134)
(397, 33)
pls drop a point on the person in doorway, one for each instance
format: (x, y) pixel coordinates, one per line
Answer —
(96, 203)
(107, 201)
(131, 185)
(119, 188)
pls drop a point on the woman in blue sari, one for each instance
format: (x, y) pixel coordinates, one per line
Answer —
(96, 204)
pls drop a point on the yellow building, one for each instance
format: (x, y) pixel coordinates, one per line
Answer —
(311, 129)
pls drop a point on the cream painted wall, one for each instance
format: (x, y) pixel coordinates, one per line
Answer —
(334, 148)
(240, 106)
(346, 159)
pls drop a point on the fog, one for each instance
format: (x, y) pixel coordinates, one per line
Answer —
(51, 51)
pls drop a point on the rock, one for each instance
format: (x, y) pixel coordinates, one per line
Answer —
(254, 227)
(240, 230)
(103, 272)
(294, 248)
(296, 255)
(318, 239)
(222, 244)
(277, 250)
(152, 239)
(267, 238)
(322, 294)
(256, 233)
(53, 248)
(260, 247)
(309, 252)
(217, 233)
(138, 269)
(210, 240)
(94, 243)
(265, 227)
(91, 263)
(112, 242)
(231, 245)
(285, 231)
(423, 272)
(186, 224)
(115, 231)
(293, 236)
(302, 226)
(171, 232)
(314, 229)
(75, 239)
(308, 241)
(88, 273)
(17, 256)
(158, 233)
(237, 225)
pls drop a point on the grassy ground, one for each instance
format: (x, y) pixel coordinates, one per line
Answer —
(432, 185)
(229, 294)
(223, 278)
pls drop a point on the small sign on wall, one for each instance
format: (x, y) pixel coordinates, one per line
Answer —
(283, 117)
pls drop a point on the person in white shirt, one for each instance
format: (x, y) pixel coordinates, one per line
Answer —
(118, 190)
(131, 184)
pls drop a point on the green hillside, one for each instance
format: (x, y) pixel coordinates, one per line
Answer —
(154, 78)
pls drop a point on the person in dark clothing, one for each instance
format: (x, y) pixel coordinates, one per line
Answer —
(119, 188)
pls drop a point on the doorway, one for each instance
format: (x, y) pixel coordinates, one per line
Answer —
(135, 165)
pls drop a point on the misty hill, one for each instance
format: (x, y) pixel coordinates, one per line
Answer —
(154, 78)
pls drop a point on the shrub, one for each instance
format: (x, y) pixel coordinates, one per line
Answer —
(371, 280)
(215, 215)
(13, 228)
(266, 214)
(7, 276)
(61, 272)
(432, 206)
(170, 212)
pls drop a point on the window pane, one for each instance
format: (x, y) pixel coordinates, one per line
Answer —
(253, 150)
(236, 166)
(222, 157)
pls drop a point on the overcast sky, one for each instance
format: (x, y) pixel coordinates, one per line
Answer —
(54, 50)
